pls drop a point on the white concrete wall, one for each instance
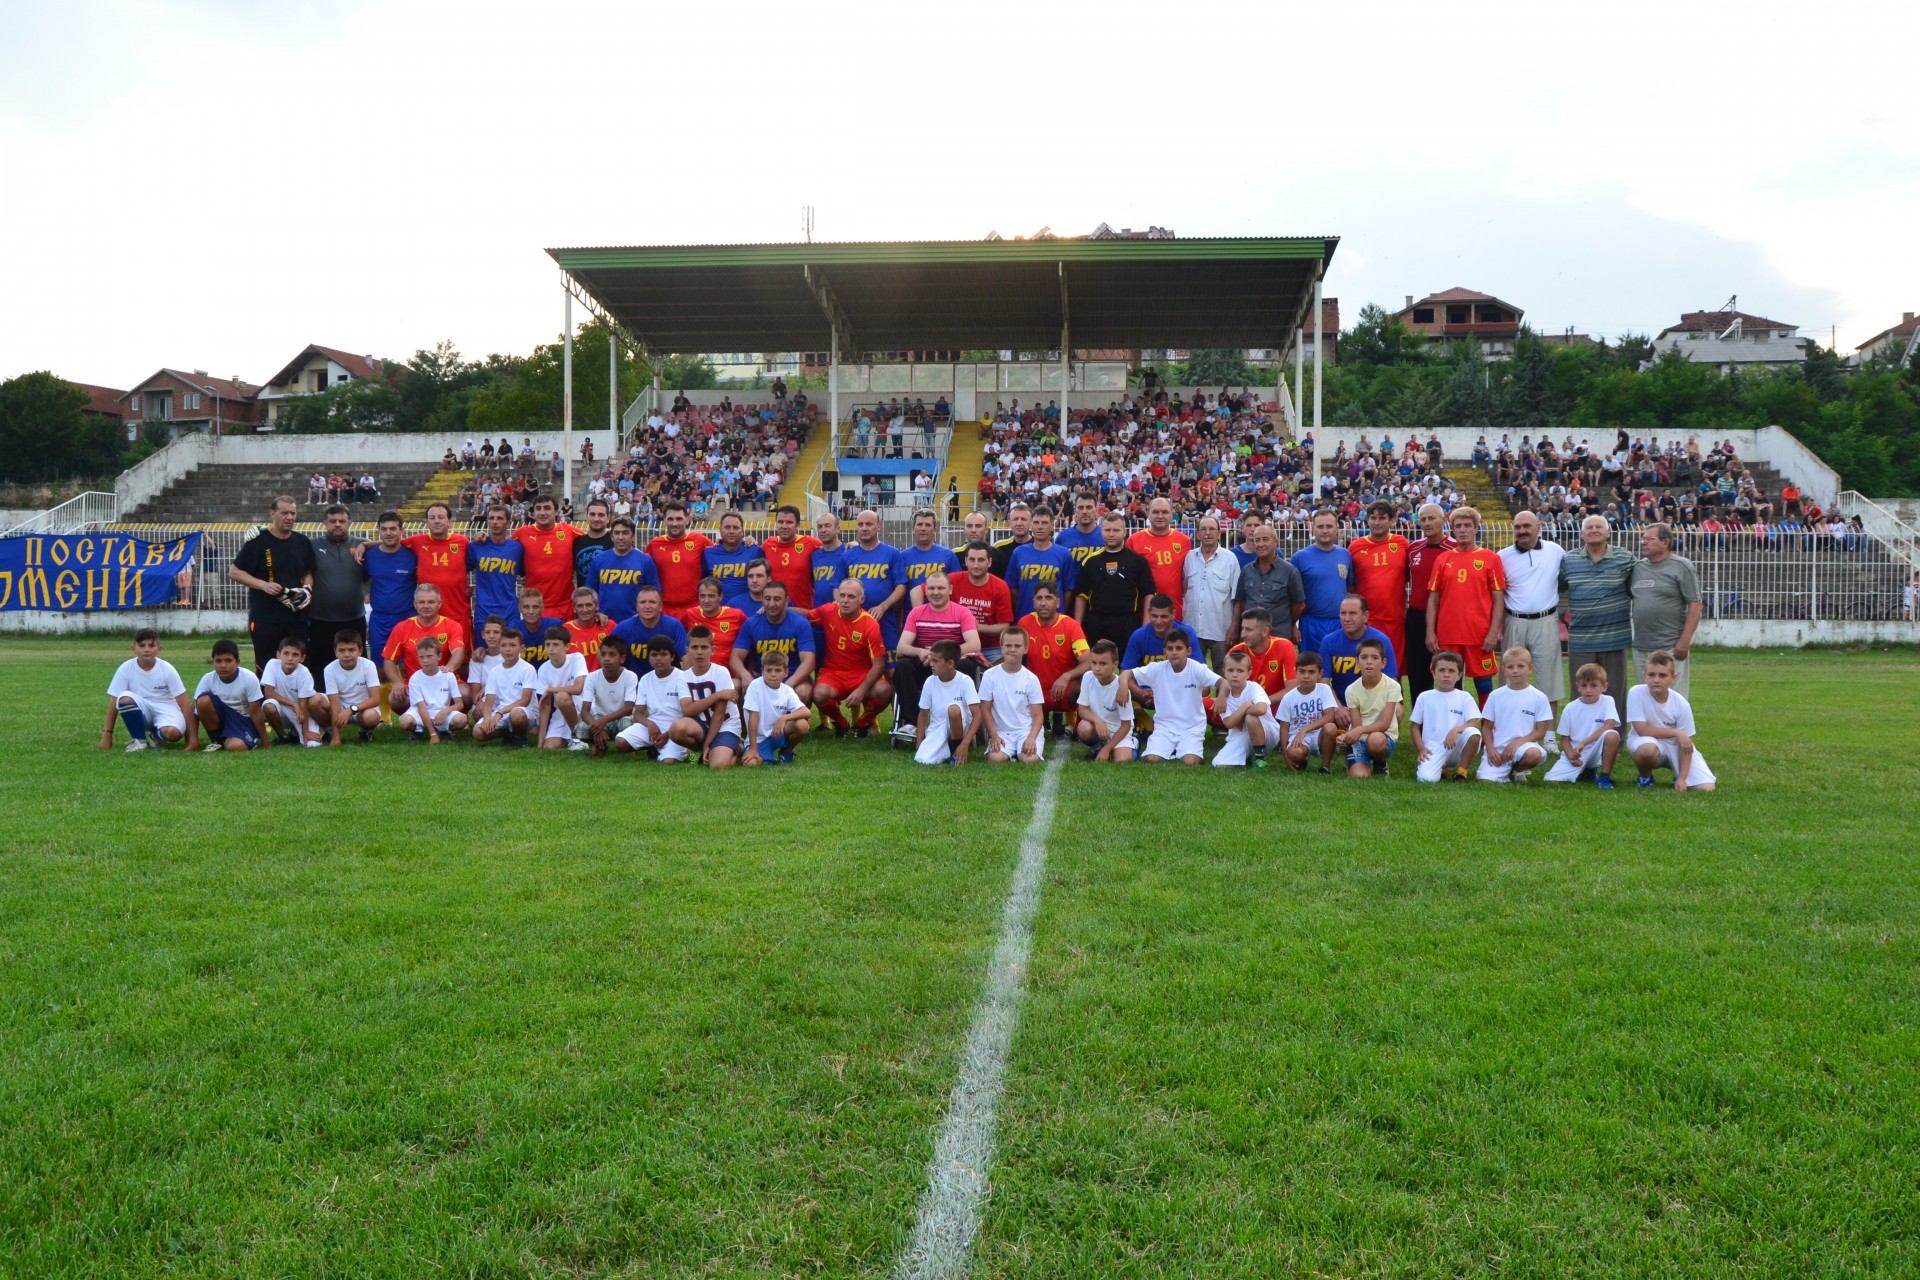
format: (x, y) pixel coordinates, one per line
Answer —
(1782, 450)
(168, 622)
(1905, 510)
(1747, 634)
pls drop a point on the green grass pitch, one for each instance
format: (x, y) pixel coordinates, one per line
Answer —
(406, 1011)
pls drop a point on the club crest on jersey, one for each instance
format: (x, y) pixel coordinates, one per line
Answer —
(1060, 638)
(1478, 563)
(1340, 569)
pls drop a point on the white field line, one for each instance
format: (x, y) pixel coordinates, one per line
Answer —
(949, 1218)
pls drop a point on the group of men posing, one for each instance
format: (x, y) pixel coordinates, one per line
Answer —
(855, 623)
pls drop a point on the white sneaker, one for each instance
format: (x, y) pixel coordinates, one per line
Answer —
(138, 744)
(579, 744)
(314, 744)
(212, 747)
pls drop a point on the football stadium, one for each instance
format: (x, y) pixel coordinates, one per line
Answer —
(1296, 859)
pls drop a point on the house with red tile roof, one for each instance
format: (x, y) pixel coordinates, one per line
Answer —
(1462, 313)
(191, 401)
(314, 370)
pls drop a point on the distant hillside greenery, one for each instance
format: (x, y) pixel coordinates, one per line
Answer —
(1864, 424)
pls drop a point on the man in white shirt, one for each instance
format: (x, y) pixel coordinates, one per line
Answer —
(1210, 575)
(1532, 566)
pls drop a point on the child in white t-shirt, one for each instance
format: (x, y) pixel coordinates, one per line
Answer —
(560, 683)
(434, 702)
(1016, 707)
(607, 699)
(1311, 712)
(506, 708)
(1247, 714)
(1179, 687)
(1589, 731)
(947, 723)
(1518, 718)
(776, 718)
(712, 703)
(1660, 732)
(479, 668)
(227, 703)
(288, 697)
(663, 725)
(351, 684)
(146, 692)
(1106, 710)
(1445, 723)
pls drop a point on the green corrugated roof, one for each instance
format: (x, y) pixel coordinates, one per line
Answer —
(1215, 292)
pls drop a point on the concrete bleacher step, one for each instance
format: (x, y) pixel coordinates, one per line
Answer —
(966, 454)
(793, 489)
(441, 486)
(242, 493)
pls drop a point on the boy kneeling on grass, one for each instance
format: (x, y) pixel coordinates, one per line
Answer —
(295, 711)
(776, 718)
(434, 704)
(1375, 703)
(1662, 729)
(352, 688)
(1445, 723)
(147, 694)
(948, 720)
(1015, 704)
(227, 702)
(1518, 717)
(1589, 732)
(1246, 714)
(1105, 711)
(1311, 714)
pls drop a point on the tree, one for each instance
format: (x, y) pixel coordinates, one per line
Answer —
(365, 404)
(1526, 398)
(1218, 368)
(1633, 350)
(688, 373)
(1467, 389)
(44, 435)
(1378, 338)
(525, 394)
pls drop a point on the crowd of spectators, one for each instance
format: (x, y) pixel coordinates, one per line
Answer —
(1708, 495)
(1219, 455)
(713, 458)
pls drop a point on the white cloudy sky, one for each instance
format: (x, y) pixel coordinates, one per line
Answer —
(214, 183)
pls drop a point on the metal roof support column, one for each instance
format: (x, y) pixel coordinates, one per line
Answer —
(613, 390)
(1066, 354)
(566, 400)
(1299, 379)
(1319, 347)
(833, 403)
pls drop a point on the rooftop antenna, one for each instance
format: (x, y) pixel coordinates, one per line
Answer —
(806, 222)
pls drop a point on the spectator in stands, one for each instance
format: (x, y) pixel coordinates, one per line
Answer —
(367, 490)
(316, 489)
(1599, 608)
(1666, 603)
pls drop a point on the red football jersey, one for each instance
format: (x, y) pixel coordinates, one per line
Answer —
(585, 641)
(408, 632)
(852, 645)
(1272, 666)
(1380, 576)
(1464, 582)
(1167, 557)
(1421, 557)
(725, 626)
(991, 604)
(678, 560)
(443, 564)
(792, 563)
(548, 564)
(1052, 650)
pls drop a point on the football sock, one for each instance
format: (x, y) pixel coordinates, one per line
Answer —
(136, 721)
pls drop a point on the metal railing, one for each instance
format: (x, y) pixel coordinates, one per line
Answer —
(1794, 577)
(1899, 537)
(82, 514)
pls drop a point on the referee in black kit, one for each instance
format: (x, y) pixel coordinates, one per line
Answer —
(1113, 586)
(275, 565)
